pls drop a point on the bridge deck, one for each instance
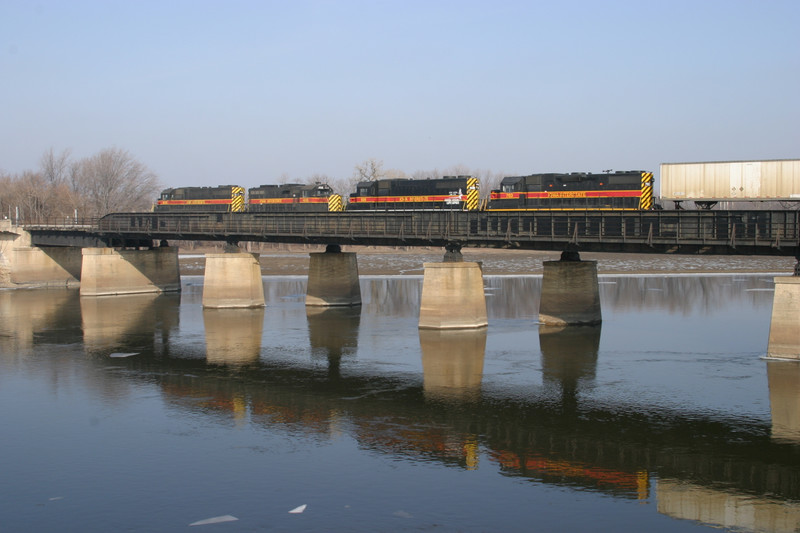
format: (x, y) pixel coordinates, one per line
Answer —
(688, 232)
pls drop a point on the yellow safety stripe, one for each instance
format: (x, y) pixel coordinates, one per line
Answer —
(473, 194)
(237, 199)
(646, 200)
(335, 203)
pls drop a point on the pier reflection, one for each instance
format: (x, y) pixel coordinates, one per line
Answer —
(130, 323)
(233, 336)
(721, 508)
(333, 333)
(26, 314)
(784, 400)
(569, 358)
(452, 363)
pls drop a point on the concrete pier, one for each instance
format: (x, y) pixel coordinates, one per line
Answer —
(452, 296)
(106, 271)
(570, 293)
(333, 279)
(233, 280)
(784, 329)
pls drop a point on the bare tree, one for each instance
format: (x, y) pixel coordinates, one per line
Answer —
(55, 168)
(369, 170)
(29, 193)
(113, 181)
(6, 202)
(317, 178)
(394, 174)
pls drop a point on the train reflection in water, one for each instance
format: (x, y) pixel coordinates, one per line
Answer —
(700, 465)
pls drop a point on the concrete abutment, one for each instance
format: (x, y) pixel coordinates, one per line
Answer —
(25, 265)
(108, 271)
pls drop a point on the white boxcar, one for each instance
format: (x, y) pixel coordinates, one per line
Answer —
(725, 181)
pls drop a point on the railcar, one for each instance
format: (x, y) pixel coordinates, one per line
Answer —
(707, 183)
(629, 190)
(450, 192)
(293, 198)
(225, 198)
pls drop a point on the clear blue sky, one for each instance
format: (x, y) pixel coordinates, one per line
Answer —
(243, 92)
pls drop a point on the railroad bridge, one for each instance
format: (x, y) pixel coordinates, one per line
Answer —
(683, 232)
(126, 253)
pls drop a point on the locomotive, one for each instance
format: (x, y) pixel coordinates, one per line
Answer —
(630, 190)
(450, 192)
(293, 198)
(225, 198)
(287, 198)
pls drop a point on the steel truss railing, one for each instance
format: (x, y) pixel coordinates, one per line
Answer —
(747, 232)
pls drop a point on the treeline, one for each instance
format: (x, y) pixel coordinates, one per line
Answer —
(112, 181)
(107, 182)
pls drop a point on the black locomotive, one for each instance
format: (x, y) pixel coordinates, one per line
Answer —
(225, 198)
(631, 190)
(293, 198)
(450, 192)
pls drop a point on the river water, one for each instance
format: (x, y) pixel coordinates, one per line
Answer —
(149, 413)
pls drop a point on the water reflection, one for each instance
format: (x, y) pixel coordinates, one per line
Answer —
(333, 332)
(569, 358)
(28, 313)
(721, 508)
(684, 295)
(129, 323)
(784, 399)
(452, 363)
(457, 409)
(233, 336)
(515, 296)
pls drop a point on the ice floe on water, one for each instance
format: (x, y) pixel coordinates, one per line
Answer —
(215, 520)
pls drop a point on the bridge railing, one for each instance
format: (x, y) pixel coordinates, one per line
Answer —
(57, 222)
(698, 228)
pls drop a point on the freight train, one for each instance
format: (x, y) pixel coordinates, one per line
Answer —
(632, 190)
